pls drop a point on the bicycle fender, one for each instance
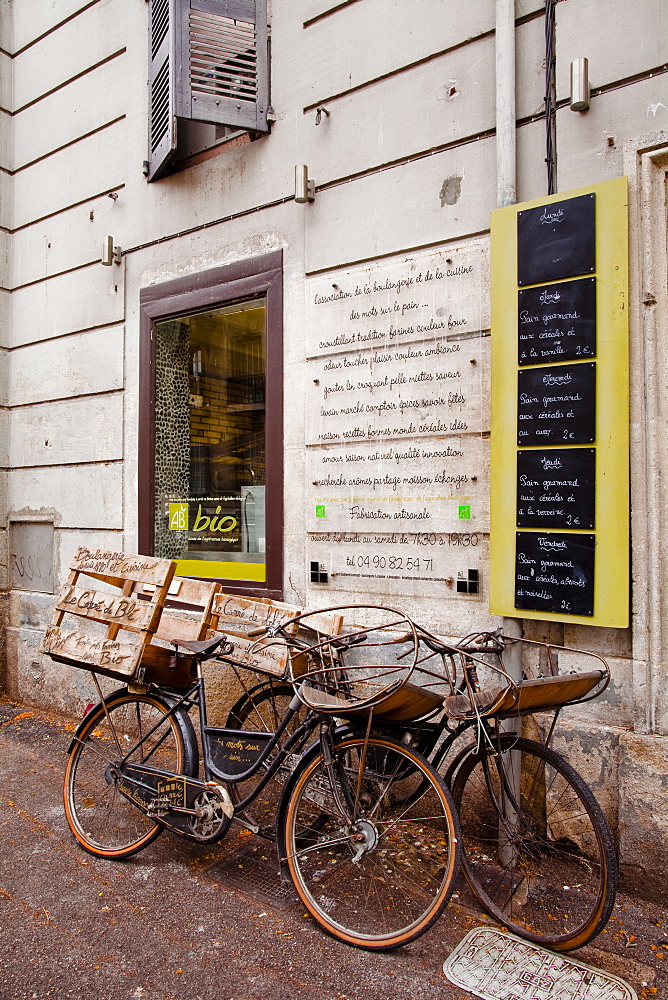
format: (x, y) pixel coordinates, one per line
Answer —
(312, 751)
(183, 721)
(454, 766)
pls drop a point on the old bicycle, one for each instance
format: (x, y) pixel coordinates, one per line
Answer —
(537, 850)
(370, 833)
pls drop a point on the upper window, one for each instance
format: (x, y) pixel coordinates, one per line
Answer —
(208, 65)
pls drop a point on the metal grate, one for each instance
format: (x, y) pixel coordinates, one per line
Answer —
(254, 870)
(499, 966)
(223, 57)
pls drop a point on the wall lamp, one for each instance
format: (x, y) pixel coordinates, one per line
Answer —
(304, 186)
(110, 253)
(580, 85)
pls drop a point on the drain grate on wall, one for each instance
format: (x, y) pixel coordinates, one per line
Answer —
(254, 870)
(495, 965)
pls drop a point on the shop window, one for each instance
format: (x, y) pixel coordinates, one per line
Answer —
(210, 440)
(208, 77)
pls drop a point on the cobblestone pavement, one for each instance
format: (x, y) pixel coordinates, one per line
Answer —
(163, 926)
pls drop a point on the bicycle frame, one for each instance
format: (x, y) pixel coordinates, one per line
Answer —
(196, 696)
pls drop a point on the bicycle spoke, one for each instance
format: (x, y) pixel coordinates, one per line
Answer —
(547, 870)
(389, 878)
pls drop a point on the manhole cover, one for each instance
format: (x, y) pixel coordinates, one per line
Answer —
(254, 870)
(499, 966)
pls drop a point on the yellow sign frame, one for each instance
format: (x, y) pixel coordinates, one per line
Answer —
(611, 572)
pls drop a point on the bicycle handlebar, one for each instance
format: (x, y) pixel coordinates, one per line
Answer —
(254, 633)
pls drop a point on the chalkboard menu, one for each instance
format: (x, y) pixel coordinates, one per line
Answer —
(557, 322)
(556, 240)
(554, 573)
(559, 485)
(556, 405)
(555, 488)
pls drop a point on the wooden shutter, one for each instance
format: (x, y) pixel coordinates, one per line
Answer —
(162, 121)
(223, 74)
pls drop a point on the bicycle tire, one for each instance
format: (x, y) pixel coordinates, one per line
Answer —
(101, 818)
(260, 710)
(391, 889)
(552, 879)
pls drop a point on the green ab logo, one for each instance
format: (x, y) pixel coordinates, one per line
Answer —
(179, 521)
(178, 516)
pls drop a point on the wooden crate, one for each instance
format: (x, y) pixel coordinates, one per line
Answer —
(186, 616)
(108, 631)
(237, 616)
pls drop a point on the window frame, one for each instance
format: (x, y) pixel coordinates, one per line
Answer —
(203, 292)
(173, 96)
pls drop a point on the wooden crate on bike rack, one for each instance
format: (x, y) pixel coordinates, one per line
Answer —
(112, 629)
(315, 627)
(186, 616)
(237, 616)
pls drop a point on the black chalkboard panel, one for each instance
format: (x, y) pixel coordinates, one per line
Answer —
(556, 240)
(557, 322)
(556, 488)
(554, 573)
(556, 405)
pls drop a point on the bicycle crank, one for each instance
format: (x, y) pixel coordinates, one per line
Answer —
(193, 809)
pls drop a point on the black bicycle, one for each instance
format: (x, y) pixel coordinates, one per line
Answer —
(365, 826)
(537, 850)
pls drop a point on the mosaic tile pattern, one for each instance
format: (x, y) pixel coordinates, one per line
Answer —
(172, 430)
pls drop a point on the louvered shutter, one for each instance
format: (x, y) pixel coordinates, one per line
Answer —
(162, 122)
(222, 73)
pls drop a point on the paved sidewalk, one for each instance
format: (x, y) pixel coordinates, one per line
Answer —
(160, 926)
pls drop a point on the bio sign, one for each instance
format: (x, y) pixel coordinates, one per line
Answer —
(214, 520)
(194, 516)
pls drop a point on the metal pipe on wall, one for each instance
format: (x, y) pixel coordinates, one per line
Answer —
(506, 194)
(505, 103)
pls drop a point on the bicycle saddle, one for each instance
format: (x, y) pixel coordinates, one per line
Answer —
(200, 647)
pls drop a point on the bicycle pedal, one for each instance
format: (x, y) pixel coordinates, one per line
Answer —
(247, 824)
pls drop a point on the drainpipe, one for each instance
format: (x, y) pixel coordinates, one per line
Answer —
(505, 103)
(506, 195)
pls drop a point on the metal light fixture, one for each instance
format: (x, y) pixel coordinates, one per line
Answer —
(304, 186)
(110, 253)
(580, 84)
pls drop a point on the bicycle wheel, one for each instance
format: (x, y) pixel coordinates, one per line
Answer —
(383, 881)
(101, 818)
(537, 851)
(260, 710)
